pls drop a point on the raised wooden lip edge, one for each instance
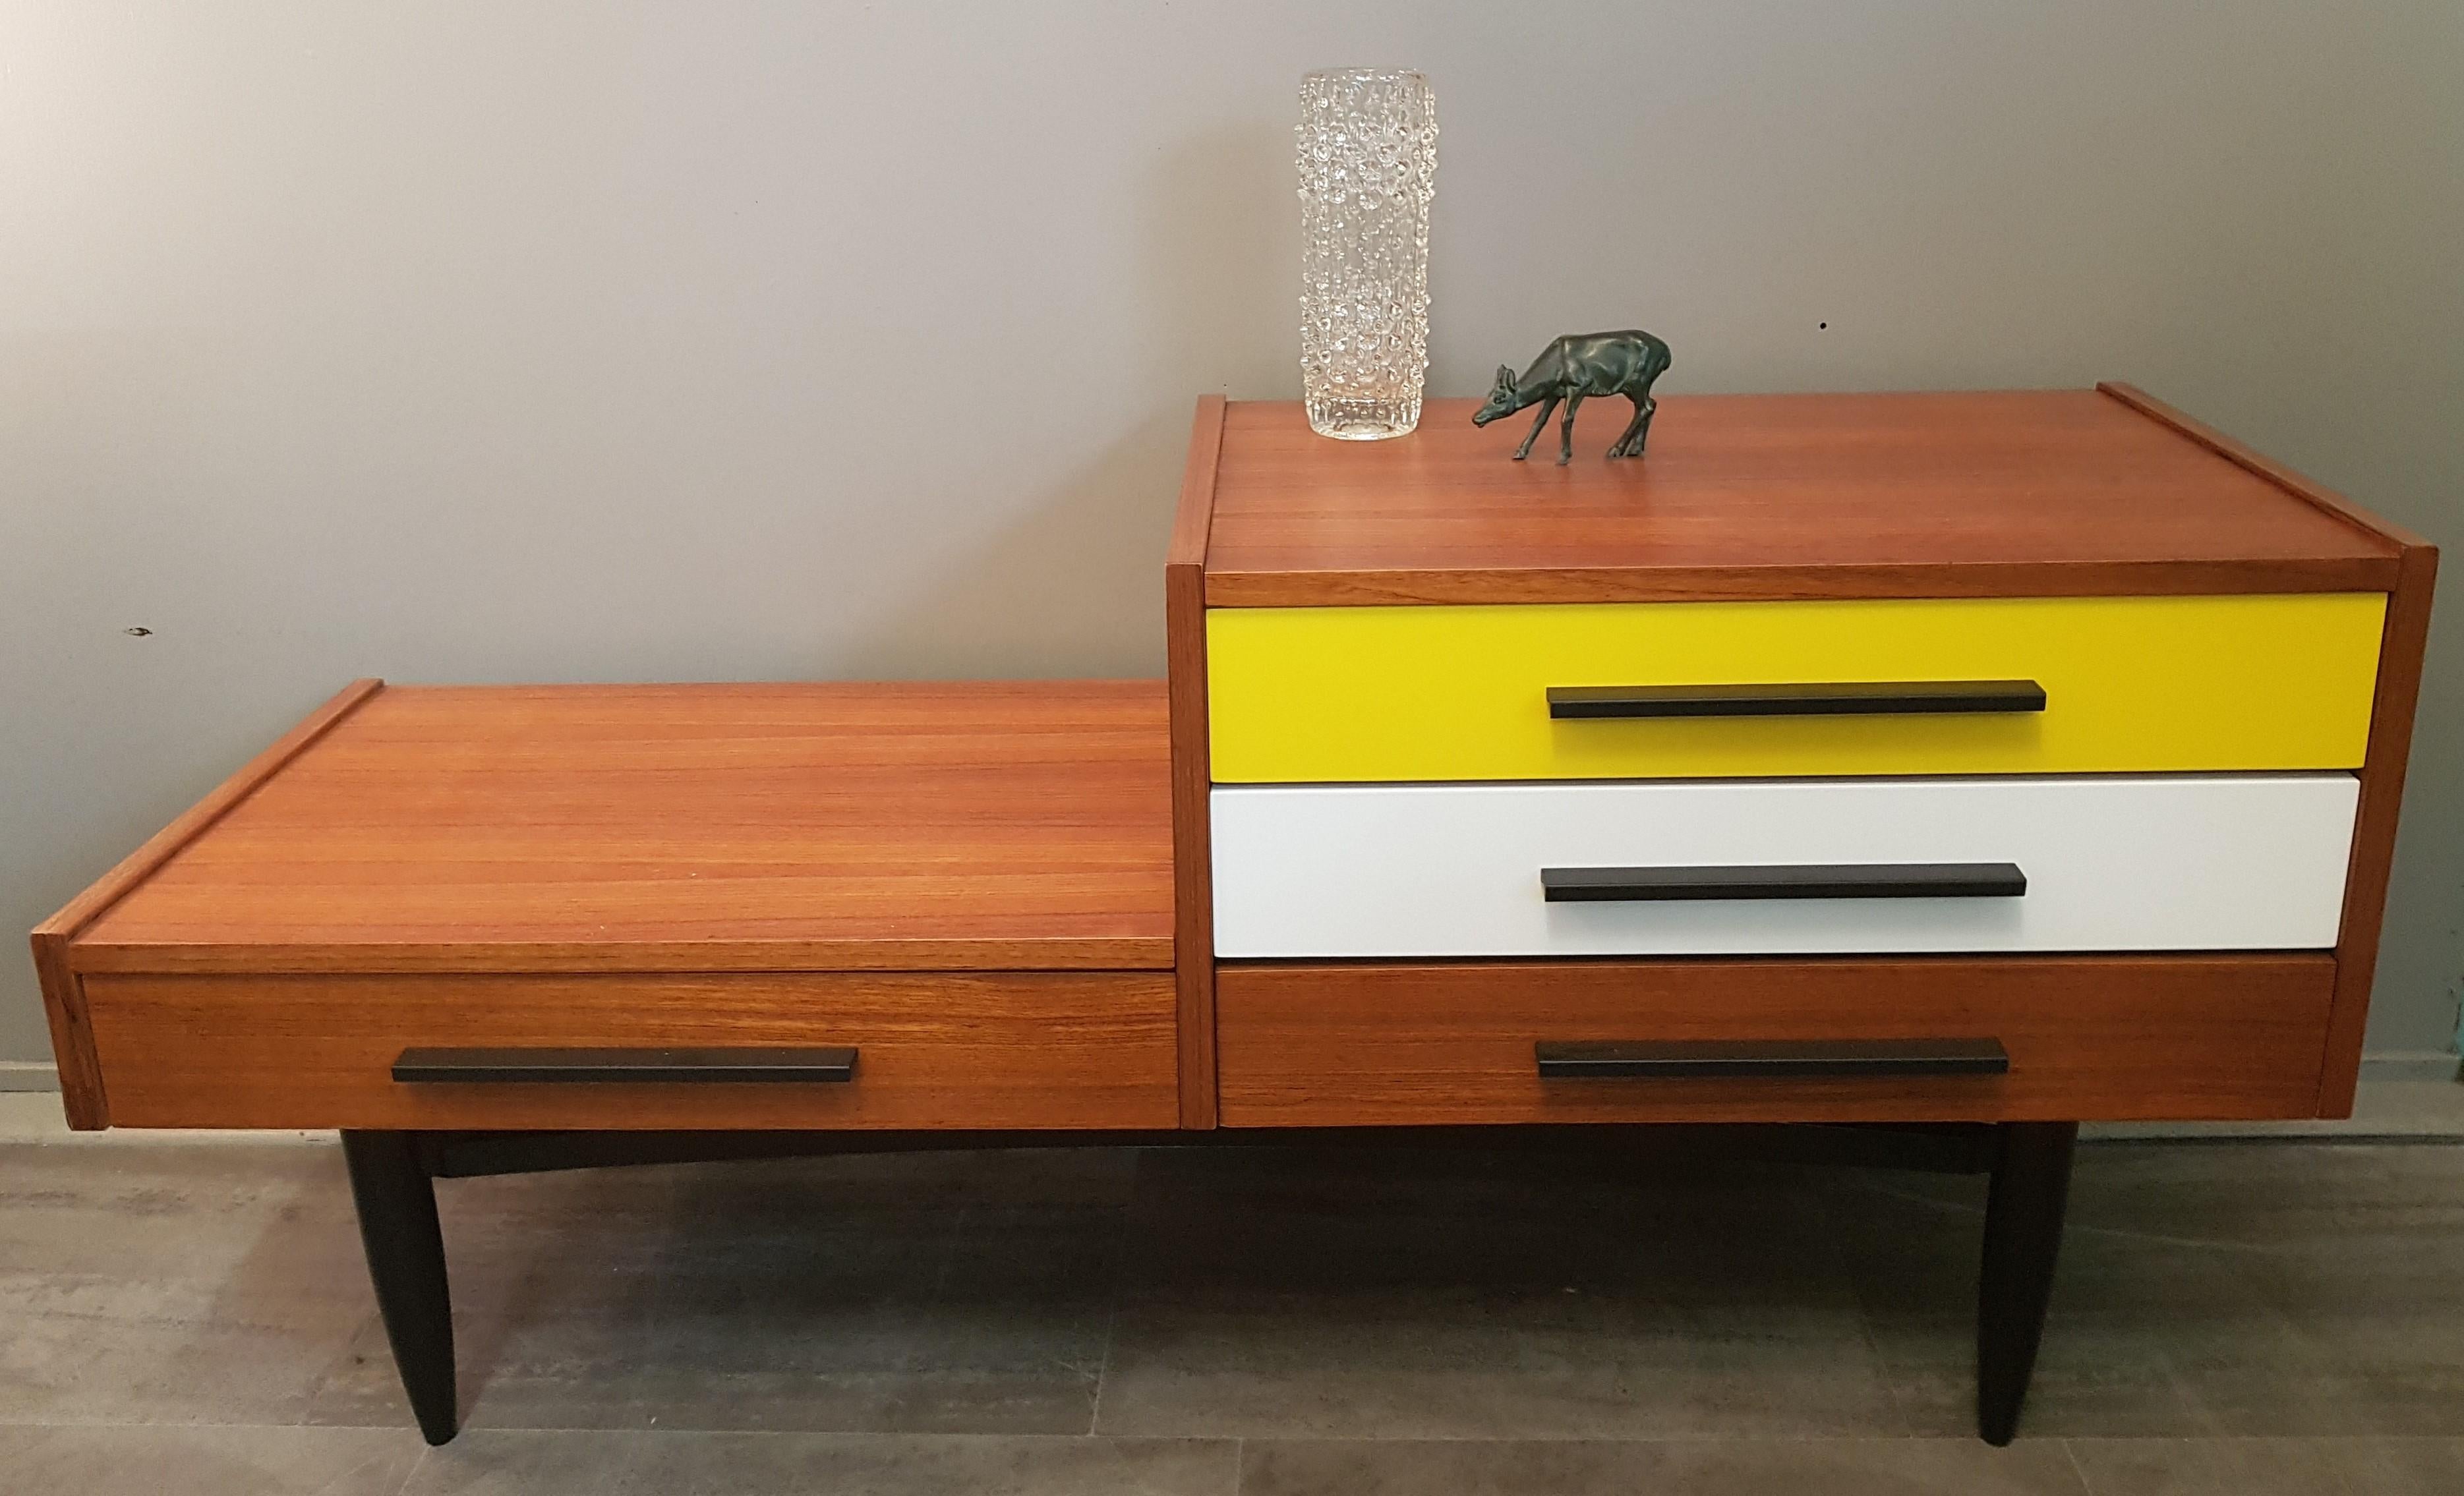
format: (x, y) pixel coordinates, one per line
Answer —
(2314, 494)
(1110, 954)
(2402, 641)
(1789, 581)
(1799, 582)
(81, 1093)
(1185, 601)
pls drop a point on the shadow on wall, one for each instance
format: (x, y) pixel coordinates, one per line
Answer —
(1073, 585)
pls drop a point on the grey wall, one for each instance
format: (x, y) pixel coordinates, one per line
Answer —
(603, 340)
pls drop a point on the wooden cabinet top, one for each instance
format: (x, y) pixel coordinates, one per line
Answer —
(975, 826)
(2036, 492)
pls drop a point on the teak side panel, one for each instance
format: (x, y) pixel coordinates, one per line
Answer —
(2383, 771)
(82, 1098)
(969, 826)
(939, 1051)
(2090, 1038)
(2012, 493)
(1185, 666)
(64, 1002)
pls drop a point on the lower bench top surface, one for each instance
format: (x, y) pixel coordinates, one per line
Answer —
(985, 825)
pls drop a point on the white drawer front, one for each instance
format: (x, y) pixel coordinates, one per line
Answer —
(2175, 863)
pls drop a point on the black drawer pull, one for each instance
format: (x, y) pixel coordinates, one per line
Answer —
(1713, 1058)
(1785, 880)
(1821, 699)
(624, 1067)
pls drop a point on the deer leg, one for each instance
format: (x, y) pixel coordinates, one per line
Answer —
(1624, 446)
(1566, 432)
(1538, 427)
(1638, 431)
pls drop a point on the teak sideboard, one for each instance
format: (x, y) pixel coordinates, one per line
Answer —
(1951, 768)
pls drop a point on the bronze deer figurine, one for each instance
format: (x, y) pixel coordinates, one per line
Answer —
(1574, 368)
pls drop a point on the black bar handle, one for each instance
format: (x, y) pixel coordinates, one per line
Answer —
(1715, 1058)
(1822, 698)
(541, 1067)
(1784, 880)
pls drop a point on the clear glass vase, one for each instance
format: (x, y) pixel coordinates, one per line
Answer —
(1368, 167)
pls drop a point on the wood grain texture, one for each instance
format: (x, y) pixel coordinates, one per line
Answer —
(2016, 494)
(2366, 882)
(81, 1084)
(2089, 1038)
(970, 825)
(944, 1049)
(1184, 585)
(2241, 456)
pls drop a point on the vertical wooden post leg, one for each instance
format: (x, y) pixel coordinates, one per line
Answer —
(2023, 1233)
(397, 1203)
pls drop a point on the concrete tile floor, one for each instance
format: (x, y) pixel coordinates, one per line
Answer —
(2257, 1318)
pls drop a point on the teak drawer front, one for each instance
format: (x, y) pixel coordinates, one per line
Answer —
(2225, 862)
(1349, 694)
(941, 1049)
(2088, 1038)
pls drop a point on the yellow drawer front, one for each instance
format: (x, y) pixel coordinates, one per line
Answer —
(2131, 684)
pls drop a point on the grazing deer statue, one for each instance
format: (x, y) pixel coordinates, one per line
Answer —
(1574, 368)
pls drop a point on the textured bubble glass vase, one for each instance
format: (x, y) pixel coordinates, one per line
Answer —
(1369, 166)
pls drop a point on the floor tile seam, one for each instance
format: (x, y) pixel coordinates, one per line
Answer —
(2078, 1472)
(1104, 1366)
(410, 1472)
(2080, 1229)
(1242, 1440)
(1846, 1270)
(1894, 1393)
(2263, 1439)
(1905, 1195)
(2443, 1139)
(1740, 1439)
(917, 1436)
(1240, 1443)
(12, 1421)
(1124, 1246)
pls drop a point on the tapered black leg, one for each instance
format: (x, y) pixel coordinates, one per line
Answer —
(2023, 1233)
(397, 1203)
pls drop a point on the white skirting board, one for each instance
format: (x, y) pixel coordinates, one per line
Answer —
(2112, 862)
(28, 1076)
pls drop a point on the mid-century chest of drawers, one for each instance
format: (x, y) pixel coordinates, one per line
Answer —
(2008, 758)
(2011, 756)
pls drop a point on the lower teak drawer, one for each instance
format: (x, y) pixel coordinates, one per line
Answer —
(756, 1049)
(1927, 1038)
